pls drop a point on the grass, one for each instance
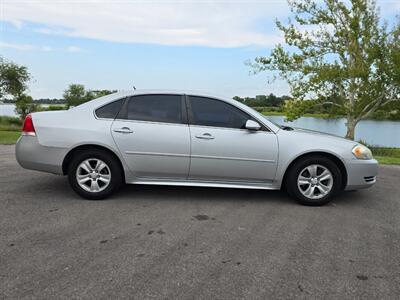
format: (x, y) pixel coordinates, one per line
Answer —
(272, 113)
(314, 115)
(9, 137)
(386, 156)
(385, 151)
(388, 160)
(10, 123)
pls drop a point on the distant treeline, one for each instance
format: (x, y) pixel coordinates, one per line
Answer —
(271, 105)
(42, 101)
(257, 101)
(263, 100)
(267, 104)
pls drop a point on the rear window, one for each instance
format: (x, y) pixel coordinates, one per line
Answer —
(109, 111)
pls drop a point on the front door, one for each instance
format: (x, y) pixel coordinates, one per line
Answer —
(222, 149)
(152, 135)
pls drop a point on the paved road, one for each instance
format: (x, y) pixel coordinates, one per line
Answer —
(186, 243)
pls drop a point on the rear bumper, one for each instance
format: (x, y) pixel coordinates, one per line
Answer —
(361, 174)
(32, 155)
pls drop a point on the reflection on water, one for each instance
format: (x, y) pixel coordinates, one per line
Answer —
(382, 133)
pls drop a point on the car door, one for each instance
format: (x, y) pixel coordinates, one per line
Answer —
(152, 135)
(222, 149)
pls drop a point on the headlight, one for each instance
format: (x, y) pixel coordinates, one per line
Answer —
(362, 152)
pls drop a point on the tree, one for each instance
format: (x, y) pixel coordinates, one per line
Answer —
(13, 83)
(24, 105)
(101, 93)
(338, 55)
(76, 94)
(13, 79)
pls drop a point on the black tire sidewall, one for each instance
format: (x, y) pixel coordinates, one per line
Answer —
(294, 172)
(115, 169)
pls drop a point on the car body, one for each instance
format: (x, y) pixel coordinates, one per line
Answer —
(187, 138)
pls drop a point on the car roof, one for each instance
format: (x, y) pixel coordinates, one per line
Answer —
(169, 91)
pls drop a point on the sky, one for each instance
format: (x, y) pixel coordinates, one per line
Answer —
(106, 44)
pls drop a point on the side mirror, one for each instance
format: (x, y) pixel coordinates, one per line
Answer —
(252, 125)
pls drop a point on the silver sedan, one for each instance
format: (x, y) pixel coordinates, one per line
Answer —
(188, 139)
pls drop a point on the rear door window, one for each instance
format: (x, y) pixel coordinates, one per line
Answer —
(156, 108)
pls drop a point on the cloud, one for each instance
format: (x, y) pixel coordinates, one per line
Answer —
(206, 23)
(30, 47)
(74, 49)
(20, 47)
(17, 23)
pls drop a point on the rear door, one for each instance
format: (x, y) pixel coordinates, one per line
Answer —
(222, 149)
(152, 135)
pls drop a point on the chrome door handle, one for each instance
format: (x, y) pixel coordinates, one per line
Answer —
(123, 130)
(205, 136)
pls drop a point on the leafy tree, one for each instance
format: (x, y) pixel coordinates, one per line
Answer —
(262, 100)
(76, 94)
(13, 79)
(24, 105)
(338, 55)
(100, 93)
(13, 83)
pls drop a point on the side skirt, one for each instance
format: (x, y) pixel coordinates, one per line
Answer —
(196, 183)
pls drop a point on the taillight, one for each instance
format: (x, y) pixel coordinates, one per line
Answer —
(28, 128)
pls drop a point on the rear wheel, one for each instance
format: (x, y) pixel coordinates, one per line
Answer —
(314, 180)
(94, 174)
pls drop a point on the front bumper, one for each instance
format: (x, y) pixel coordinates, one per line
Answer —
(361, 174)
(30, 154)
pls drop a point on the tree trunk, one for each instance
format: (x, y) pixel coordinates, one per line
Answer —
(351, 127)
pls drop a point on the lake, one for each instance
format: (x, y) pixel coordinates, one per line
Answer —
(379, 133)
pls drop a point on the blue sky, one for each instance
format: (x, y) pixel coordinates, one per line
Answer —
(195, 45)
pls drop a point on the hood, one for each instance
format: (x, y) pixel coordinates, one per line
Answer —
(313, 134)
(316, 132)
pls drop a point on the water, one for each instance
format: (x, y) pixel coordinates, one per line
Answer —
(379, 133)
(7, 110)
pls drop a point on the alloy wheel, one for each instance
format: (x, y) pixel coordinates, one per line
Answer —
(315, 181)
(93, 175)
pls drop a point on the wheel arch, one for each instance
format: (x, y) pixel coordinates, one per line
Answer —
(328, 155)
(88, 147)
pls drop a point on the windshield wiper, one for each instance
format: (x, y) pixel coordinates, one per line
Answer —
(288, 128)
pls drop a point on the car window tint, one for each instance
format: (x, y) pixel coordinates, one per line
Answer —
(216, 113)
(155, 108)
(109, 111)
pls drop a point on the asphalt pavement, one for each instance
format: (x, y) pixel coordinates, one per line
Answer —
(155, 242)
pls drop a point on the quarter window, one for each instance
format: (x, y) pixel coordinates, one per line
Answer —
(155, 108)
(216, 113)
(109, 111)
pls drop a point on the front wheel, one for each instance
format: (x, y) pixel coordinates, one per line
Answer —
(314, 180)
(94, 174)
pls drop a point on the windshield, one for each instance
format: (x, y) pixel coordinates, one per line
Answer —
(256, 113)
(273, 122)
(261, 116)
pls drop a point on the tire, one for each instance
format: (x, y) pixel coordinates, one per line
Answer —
(313, 181)
(97, 184)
